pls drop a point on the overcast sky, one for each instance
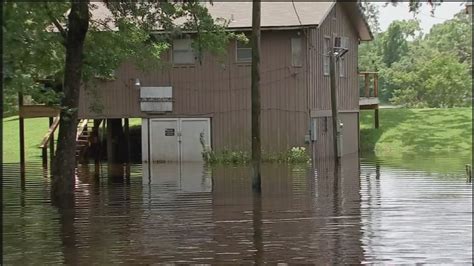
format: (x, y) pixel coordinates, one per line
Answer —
(443, 12)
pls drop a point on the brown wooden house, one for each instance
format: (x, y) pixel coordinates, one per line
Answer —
(191, 102)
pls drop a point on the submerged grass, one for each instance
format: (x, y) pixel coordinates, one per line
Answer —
(417, 131)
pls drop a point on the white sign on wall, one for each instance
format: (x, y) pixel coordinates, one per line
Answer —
(156, 99)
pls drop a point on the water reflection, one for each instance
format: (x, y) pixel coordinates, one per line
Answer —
(368, 212)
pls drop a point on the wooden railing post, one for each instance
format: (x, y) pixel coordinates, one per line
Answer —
(376, 85)
(367, 92)
(51, 141)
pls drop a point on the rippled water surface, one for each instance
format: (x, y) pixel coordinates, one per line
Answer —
(372, 211)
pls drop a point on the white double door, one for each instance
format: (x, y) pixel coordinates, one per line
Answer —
(178, 139)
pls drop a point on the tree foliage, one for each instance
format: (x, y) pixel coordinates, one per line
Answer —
(138, 31)
(422, 70)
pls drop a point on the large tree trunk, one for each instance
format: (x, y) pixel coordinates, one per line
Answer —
(65, 159)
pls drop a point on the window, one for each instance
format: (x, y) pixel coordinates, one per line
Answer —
(345, 42)
(342, 61)
(342, 67)
(326, 50)
(183, 52)
(244, 52)
(296, 52)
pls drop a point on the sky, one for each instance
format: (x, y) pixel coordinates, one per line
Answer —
(443, 12)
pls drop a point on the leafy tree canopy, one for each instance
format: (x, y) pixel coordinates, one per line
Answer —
(416, 70)
(35, 32)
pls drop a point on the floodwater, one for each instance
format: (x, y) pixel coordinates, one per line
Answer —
(371, 211)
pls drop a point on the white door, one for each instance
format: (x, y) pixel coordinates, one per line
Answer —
(193, 130)
(177, 139)
(164, 140)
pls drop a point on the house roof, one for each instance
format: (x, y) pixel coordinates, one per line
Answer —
(274, 15)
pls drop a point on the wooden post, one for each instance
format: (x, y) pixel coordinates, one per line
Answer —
(367, 92)
(335, 130)
(44, 156)
(97, 142)
(376, 116)
(22, 136)
(51, 142)
(376, 85)
(127, 148)
(255, 94)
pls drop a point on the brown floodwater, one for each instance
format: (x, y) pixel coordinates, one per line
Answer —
(371, 211)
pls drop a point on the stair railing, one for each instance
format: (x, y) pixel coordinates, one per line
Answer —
(48, 140)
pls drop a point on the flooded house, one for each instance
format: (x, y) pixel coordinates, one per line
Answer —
(207, 102)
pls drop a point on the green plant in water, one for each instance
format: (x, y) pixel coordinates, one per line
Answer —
(296, 155)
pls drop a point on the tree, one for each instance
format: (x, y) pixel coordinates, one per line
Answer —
(438, 80)
(372, 13)
(395, 40)
(454, 36)
(92, 48)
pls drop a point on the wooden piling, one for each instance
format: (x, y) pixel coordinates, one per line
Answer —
(21, 124)
(376, 117)
(51, 143)
(255, 97)
(334, 114)
(468, 173)
(127, 151)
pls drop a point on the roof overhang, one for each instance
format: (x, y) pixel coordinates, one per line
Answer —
(357, 17)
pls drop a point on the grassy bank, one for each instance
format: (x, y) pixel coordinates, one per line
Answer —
(417, 131)
(35, 129)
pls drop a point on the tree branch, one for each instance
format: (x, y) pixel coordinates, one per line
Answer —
(56, 23)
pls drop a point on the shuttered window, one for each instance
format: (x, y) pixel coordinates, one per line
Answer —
(342, 61)
(326, 49)
(183, 52)
(296, 52)
(243, 52)
(342, 67)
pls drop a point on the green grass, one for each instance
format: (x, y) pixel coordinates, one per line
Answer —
(35, 129)
(417, 131)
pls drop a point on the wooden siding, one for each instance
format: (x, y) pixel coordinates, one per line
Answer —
(220, 89)
(337, 23)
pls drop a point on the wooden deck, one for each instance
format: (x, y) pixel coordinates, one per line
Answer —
(369, 94)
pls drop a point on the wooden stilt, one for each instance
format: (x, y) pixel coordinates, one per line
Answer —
(127, 150)
(44, 156)
(376, 117)
(21, 122)
(51, 144)
(96, 142)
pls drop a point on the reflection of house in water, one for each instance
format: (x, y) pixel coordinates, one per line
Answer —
(186, 213)
(304, 217)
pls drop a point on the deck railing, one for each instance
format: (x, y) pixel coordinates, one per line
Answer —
(369, 78)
